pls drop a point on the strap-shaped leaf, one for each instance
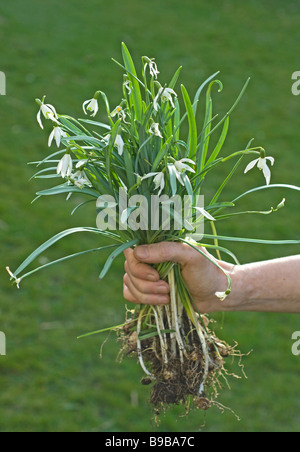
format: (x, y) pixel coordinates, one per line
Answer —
(115, 254)
(54, 240)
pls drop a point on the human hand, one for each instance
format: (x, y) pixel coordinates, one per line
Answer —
(142, 283)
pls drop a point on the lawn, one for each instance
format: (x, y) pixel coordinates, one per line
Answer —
(49, 380)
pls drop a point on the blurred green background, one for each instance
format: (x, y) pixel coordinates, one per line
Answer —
(49, 380)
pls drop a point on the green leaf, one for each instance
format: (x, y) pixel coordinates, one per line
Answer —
(115, 254)
(192, 124)
(65, 258)
(220, 143)
(136, 92)
(68, 189)
(198, 93)
(111, 328)
(54, 240)
(232, 108)
(161, 154)
(250, 240)
(265, 187)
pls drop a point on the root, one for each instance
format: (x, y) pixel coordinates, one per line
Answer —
(181, 357)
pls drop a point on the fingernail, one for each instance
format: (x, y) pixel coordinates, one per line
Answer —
(142, 252)
(163, 300)
(151, 278)
(163, 289)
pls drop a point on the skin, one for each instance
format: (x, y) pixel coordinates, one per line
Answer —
(268, 286)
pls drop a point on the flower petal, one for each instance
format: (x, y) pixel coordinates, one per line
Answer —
(272, 160)
(267, 173)
(251, 165)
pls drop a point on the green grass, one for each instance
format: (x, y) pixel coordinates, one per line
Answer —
(49, 380)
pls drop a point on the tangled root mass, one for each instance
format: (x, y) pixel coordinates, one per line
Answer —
(178, 375)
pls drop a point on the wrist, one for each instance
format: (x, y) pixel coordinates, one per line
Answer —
(240, 289)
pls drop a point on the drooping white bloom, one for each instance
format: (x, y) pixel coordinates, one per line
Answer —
(119, 143)
(17, 280)
(91, 106)
(120, 112)
(154, 130)
(57, 133)
(261, 163)
(81, 180)
(48, 112)
(159, 180)
(153, 69)
(165, 94)
(221, 295)
(65, 166)
(181, 168)
(128, 86)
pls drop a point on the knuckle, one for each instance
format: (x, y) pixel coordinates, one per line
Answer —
(165, 251)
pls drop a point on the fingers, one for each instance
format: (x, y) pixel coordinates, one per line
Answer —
(142, 283)
(163, 252)
(138, 269)
(152, 294)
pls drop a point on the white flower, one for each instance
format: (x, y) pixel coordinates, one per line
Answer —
(91, 105)
(159, 180)
(65, 166)
(221, 295)
(181, 168)
(154, 130)
(48, 111)
(119, 143)
(153, 69)
(165, 94)
(81, 179)
(120, 112)
(17, 280)
(57, 133)
(262, 166)
(128, 85)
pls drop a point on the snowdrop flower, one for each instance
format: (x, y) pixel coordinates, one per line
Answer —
(57, 133)
(127, 84)
(91, 105)
(154, 130)
(65, 166)
(120, 112)
(17, 280)
(47, 110)
(181, 168)
(119, 143)
(159, 181)
(222, 295)
(165, 94)
(261, 163)
(81, 180)
(152, 66)
(153, 69)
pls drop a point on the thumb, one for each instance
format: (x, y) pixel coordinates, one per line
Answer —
(163, 252)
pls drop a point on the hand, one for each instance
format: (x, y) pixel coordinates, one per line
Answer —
(142, 284)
